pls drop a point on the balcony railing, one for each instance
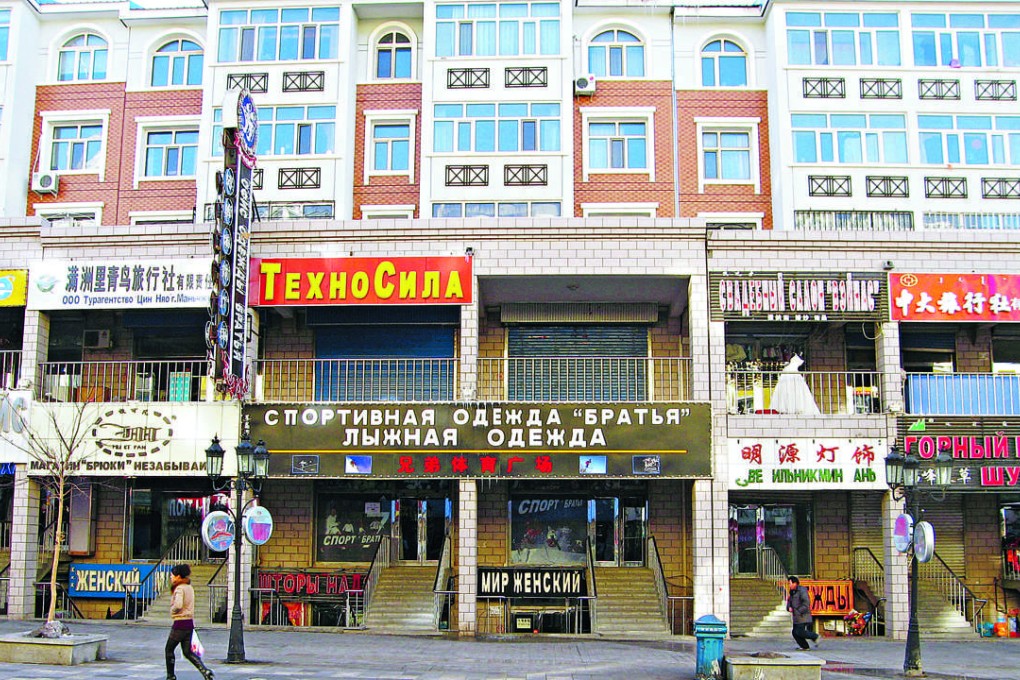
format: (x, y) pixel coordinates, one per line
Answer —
(833, 392)
(10, 368)
(853, 219)
(955, 394)
(325, 380)
(560, 379)
(118, 381)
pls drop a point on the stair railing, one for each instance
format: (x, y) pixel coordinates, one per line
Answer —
(442, 597)
(593, 591)
(953, 589)
(217, 587)
(660, 581)
(771, 568)
(681, 589)
(5, 587)
(138, 596)
(868, 568)
(380, 560)
(66, 608)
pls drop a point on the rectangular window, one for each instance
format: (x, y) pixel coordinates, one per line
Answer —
(171, 153)
(521, 209)
(279, 35)
(849, 138)
(966, 40)
(484, 128)
(843, 38)
(391, 145)
(5, 29)
(972, 140)
(503, 28)
(726, 155)
(617, 145)
(288, 130)
(76, 147)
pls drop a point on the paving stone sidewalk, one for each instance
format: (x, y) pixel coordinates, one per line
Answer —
(136, 651)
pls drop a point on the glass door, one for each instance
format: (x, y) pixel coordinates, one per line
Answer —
(421, 528)
(786, 529)
(747, 531)
(634, 522)
(602, 514)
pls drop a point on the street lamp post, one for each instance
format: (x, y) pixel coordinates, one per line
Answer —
(252, 470)
(902, 476)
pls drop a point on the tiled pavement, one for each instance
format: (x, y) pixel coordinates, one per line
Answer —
(135, 652)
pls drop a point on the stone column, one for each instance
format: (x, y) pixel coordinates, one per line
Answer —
(246, 566)
(35, 344)
(469, 348)
(467, 557)
(711, 549)
(897, 595)
(887, 356)
(24, 545)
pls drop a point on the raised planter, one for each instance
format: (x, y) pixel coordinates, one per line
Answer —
(69, 650)
(772, 665)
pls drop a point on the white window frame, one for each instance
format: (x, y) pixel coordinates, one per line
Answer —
(395, 117)
(61, 46)
(54, 119)
(616, 114)
(47, 210)
(740, 42)
(373, 49)
(147, 124)
(755, 218)
(388, 212)
(617, 26)
(153, 216)
(619, 209)
(154, 52)
(748, 125)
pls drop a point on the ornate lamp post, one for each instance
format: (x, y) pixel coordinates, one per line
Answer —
(902, 476)
(252, 470)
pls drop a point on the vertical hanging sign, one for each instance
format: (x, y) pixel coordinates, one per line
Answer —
(228, 330)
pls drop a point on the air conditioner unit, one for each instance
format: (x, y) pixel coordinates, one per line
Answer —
(45, 182)
(96, 339)
(584, 85)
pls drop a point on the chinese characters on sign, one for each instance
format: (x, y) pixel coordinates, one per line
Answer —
(985, 451)
(488, 439)
(796, 296)
(954, 297)
(361, 281)
(806, 463)
(125, 284)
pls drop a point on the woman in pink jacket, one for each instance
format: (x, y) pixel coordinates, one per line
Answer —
(182, 611)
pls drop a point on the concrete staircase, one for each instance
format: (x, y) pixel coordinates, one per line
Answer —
(402, 601)
(937, 618)
(158, 612)
(628, 603)
(757, 609)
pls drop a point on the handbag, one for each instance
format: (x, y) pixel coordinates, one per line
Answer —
(196, 645)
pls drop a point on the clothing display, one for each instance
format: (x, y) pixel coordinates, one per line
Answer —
(792, 394)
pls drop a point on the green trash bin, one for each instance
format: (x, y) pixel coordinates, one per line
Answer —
(709, 632)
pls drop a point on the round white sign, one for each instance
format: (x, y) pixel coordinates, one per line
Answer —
(258, 525)
(924, 541)
(218, 531)
(903, 532)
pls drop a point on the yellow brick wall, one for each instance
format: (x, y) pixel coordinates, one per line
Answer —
(291, 503)
(832, 537)
(492, 523)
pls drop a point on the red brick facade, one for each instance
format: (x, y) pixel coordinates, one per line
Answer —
(386, 190)
(116, 190)
(721, 198)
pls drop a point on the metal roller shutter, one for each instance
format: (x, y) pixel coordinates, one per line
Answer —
(385, 363)
(577, 363)
(947, 518)
(866, 522)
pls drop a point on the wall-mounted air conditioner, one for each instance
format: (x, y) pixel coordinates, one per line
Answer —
(584, 85)
(45, 182)
(96, 339)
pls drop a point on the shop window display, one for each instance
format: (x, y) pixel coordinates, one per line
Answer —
(548, 530)
(349, 529)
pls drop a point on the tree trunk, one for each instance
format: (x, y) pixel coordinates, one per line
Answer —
(58, 539)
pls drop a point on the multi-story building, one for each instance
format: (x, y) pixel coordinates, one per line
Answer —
(528, 303)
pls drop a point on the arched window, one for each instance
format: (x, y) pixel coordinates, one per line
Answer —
(177, 63)
(618, 54)
(393, 56)
(723, 64)
(83, 57)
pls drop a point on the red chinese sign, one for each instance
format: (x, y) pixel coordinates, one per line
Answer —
(954, 297)
(360, 281)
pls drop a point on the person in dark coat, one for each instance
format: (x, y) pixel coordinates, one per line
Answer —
(799, 605)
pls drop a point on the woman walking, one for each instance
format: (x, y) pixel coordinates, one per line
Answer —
(182, 611)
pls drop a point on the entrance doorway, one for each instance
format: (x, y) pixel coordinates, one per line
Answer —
(785, 528)
(420, 528)
(618, 528)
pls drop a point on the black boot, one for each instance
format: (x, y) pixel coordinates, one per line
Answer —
(207, 674)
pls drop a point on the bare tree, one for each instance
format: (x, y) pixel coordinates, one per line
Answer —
(53, 437)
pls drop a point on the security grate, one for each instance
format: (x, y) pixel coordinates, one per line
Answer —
(304, 81)
(824, 88)
(527, 76)
(465, 78)
(888, 187)
(467, 175)
(525, 175)
(300, 178)
(881, 88)
(1000, 187)
(253, 82)
(945, 187)
(936, 88)
(829, 185)
(995, 90)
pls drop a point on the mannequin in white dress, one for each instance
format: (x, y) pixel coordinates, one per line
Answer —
(792, 394)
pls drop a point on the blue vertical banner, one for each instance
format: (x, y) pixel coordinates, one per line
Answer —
(228, 307)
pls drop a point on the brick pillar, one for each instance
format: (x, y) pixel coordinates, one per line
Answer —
(467, 556)
(469, 348)
(24, 545)
(711, 549)
(887, 356)
(708, 379)
(246, 562)
(897, 595)
(35, 344)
